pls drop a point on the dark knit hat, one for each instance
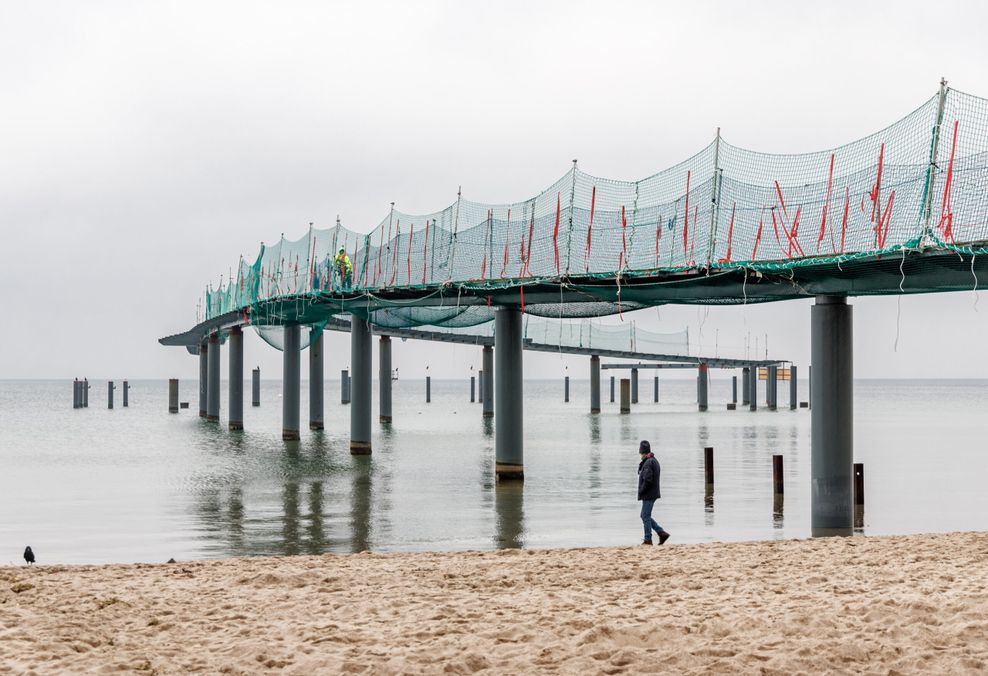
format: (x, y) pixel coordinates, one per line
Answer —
(644, 447)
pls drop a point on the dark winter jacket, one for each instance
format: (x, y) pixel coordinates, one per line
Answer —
(648, 478)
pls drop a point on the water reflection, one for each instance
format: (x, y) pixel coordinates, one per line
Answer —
(360, 503)
(778, 511)
(509, 504)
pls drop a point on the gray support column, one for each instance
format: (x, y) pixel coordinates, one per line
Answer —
(566, 389)
(655, 390)
(109, 394)
(173, 395)
(85, 392)
(793, 388)
(734, 389)
(488, 380)
(236, 377)
(126, 394)
(701, 393)
(76, 394)
(344, 386)
(473, 389)
(317, 385)
(509, 399)
(255, 387)
(773, 388)
(594, 384)
(634, 386)
(291, 392)
(362, 361)
(428, 389)
(625, 395)
(213, 381)
(745, 385)
(203, 377)
(753, 391)
(809, 373)
(832, 431)
(480, 383)
(612, 389)
(384, 378)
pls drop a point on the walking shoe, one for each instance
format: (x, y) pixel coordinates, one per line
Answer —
(646, 542)
(663, 536)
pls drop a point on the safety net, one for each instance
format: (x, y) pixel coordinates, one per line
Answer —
(727, 225)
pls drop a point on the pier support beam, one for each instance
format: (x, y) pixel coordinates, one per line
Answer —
(384, 378)
(634, 386)
(255, 387)
(832, 432)
(793, 388)
(480, 385)
(291, 387)
(625, 395)
(772, 384)
(745, 385)
(612, 389)
(203, 376)
(316, 384)
(213, 381)
(236, 378)
(508, 378)
(488, 378)
(594, 384)
(344, 386)
(361, 358)
(173, 395)
(701, 387)
(734, 390)
(753, 389)
(655, 390)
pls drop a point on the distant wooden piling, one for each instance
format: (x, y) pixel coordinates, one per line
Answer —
(708, 465)
(778, 483)
(173, 395)
(859, 492)
(625, 395)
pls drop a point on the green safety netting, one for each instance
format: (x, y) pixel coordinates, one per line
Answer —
(740, 217)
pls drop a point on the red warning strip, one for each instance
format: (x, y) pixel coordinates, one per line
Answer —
(875, 189)
(507, 236)
(686, 215)
(843, 225)
(882, 229)
(826, 204)
(394, 257)
(555, 232)
(758, 237)
(946, 225)
(593, 204)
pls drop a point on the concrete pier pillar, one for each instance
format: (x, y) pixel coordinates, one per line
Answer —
(85, 392)
(255, 387)
(745, 385)
(236, 378)
(634, 386)
(594, 384)
(384, 378)
(509, 441)
(734, 389)
(612, 389)
(832, 431)
(291, 387)
(488, 380)
(362, 361)
(126, 394)
(793, 388)
(473, 389)
(809, 374)
(213, 381)
(344, 386)
(316, 377)
(625, 395)
(772, 388)
(173, 395)
(203, 377)
(753, 389)
(428, 389)
(701, 392)
(76, 394)
(655, 390)
(566, 389)
(480, 383)
(109, 394)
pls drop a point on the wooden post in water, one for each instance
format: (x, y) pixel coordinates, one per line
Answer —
(859, 494)
(473, 390)
(778, 483)
(612, 389)
(708, 465)
(173, 395)
(625, 395)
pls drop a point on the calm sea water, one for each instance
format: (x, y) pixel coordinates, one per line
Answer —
(140, 484)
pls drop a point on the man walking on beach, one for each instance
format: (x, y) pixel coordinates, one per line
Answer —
(648, 492)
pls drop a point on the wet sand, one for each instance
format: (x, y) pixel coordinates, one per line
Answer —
(864, 604)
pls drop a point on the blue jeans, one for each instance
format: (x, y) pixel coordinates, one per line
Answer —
(647, 519)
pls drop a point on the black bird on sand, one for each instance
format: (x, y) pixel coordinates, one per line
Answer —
(29, 555)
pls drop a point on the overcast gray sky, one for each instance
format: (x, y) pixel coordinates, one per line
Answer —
(144, 146)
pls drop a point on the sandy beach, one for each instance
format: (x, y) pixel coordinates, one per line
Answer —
(864, 604)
